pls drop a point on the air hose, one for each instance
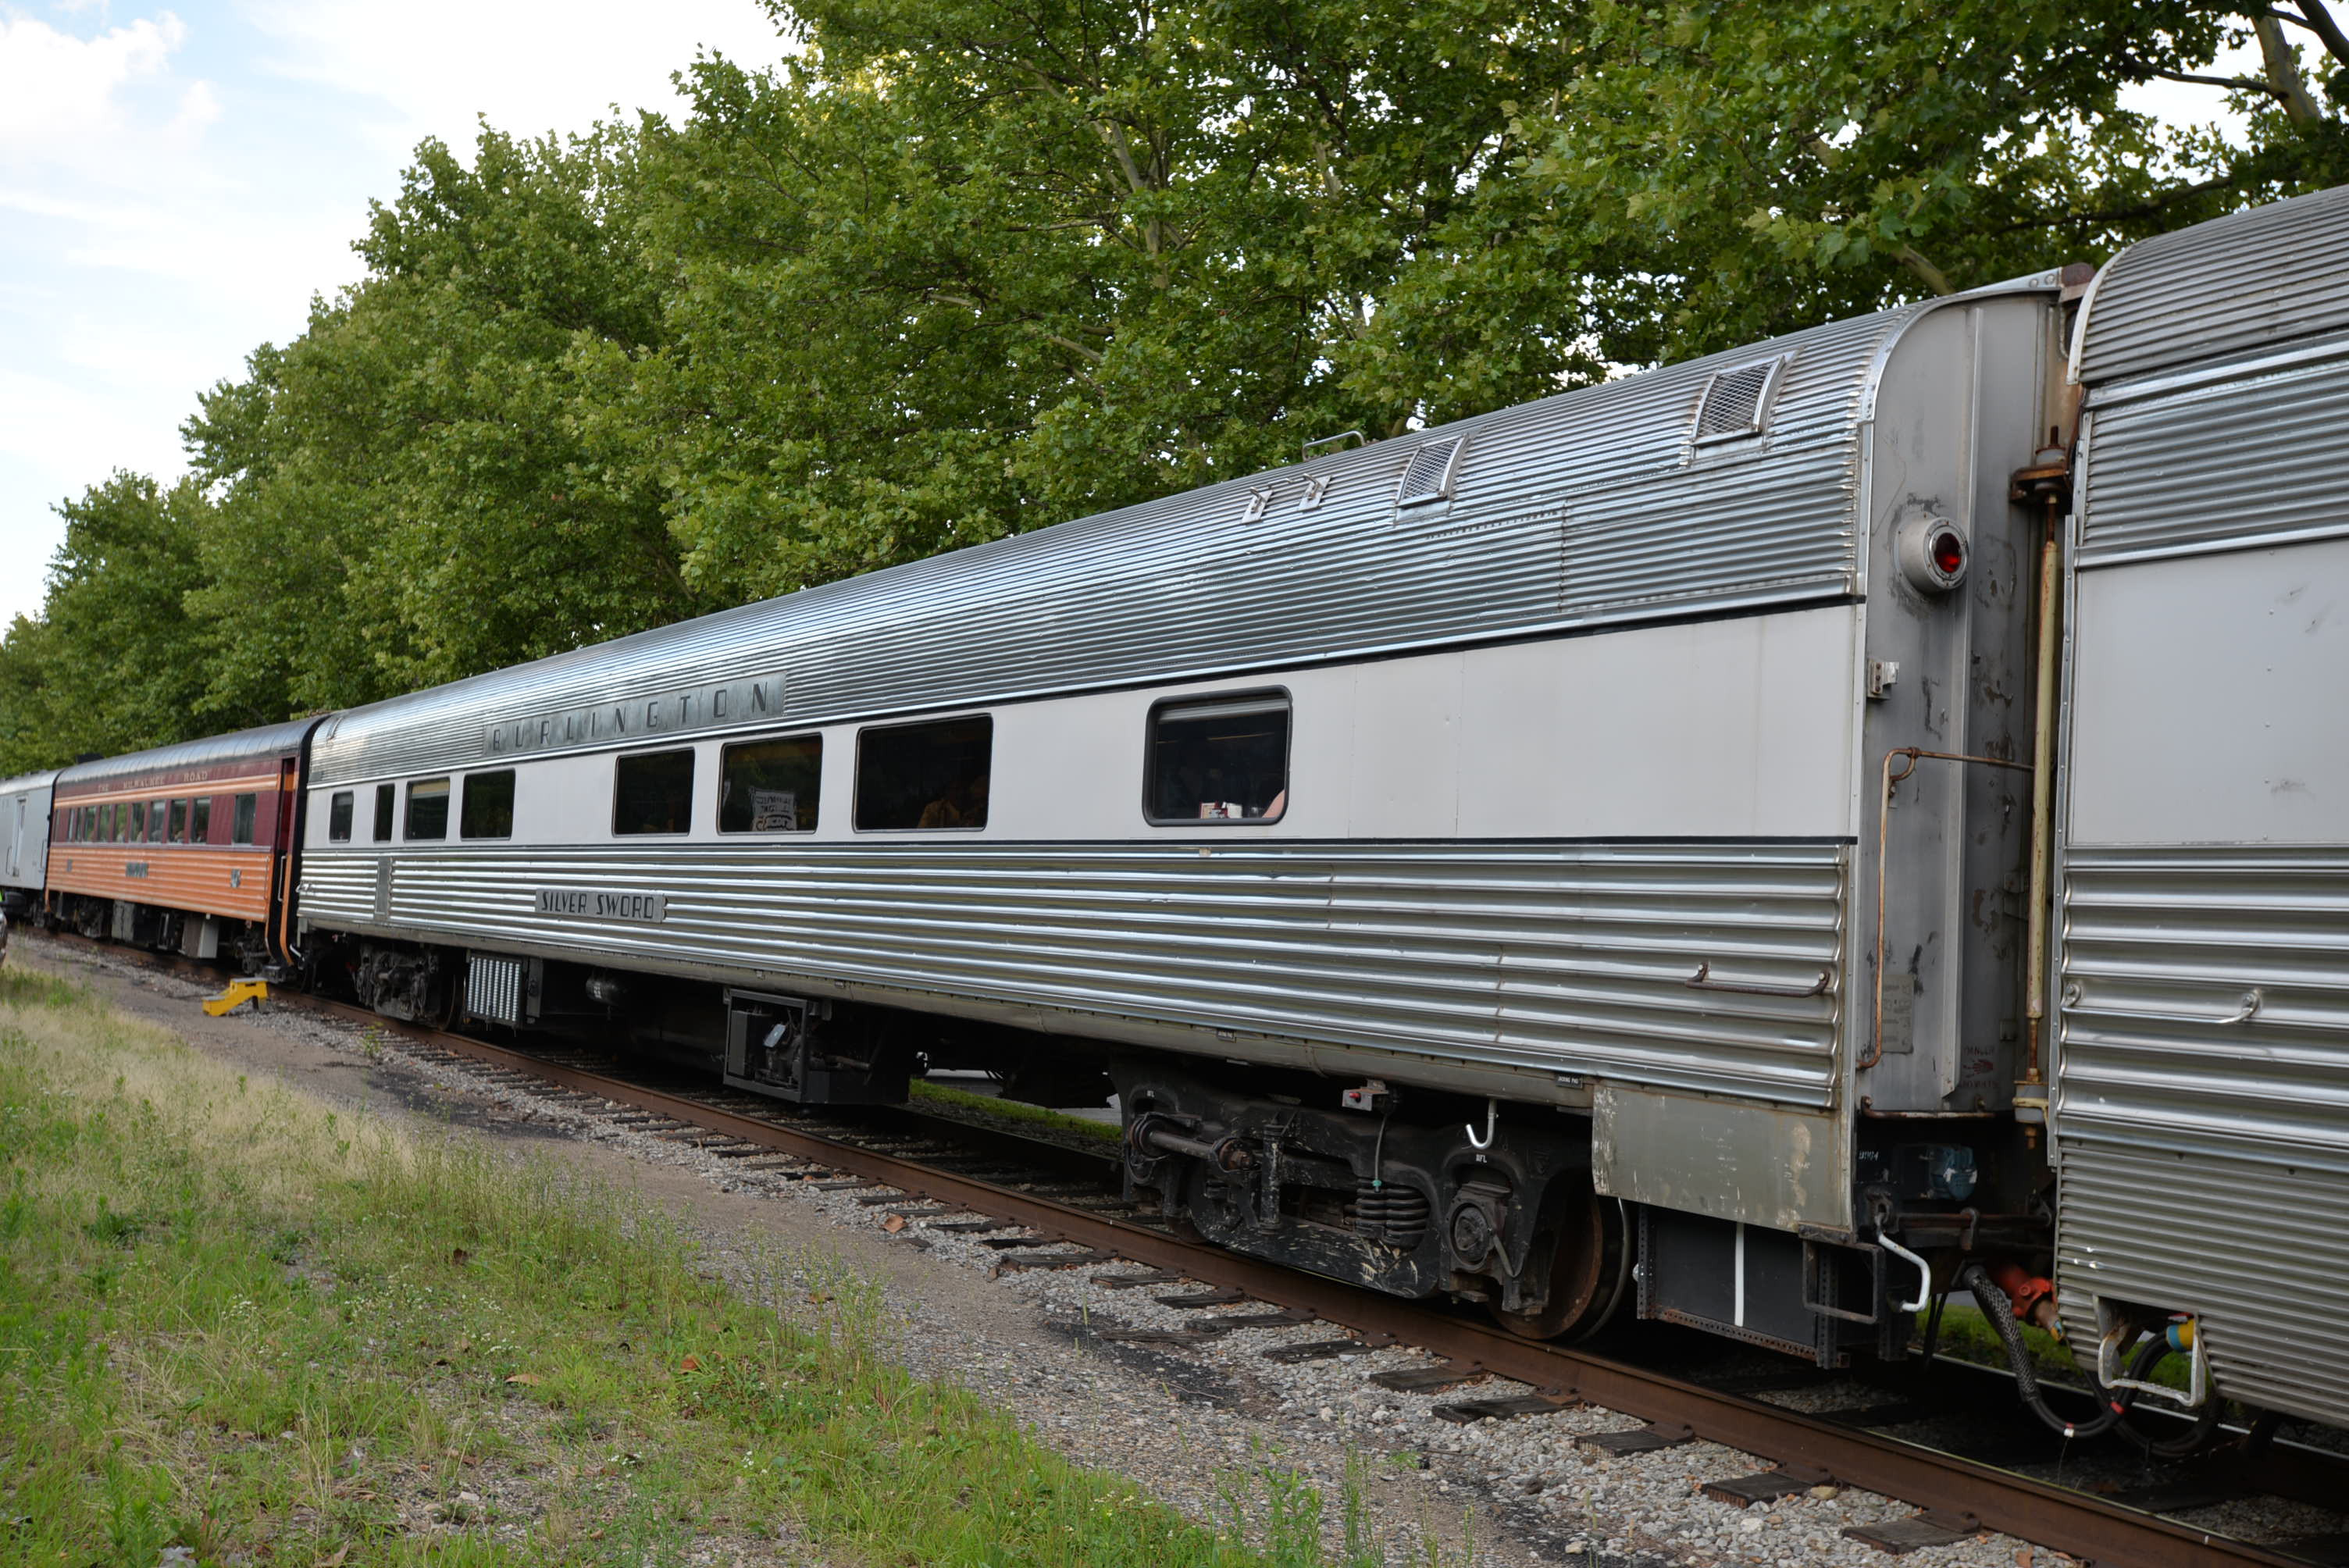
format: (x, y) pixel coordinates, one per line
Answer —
(2198, 1431)
(1995, 1305)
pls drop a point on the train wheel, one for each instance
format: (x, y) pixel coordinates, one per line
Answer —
(1589, 1271)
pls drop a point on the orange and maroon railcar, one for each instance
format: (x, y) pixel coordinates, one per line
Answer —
(186, 847)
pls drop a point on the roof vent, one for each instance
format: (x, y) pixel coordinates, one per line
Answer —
(1430, 474)
(1737, 402)
(1259, 501)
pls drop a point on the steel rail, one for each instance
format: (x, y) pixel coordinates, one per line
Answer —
(1971, 1493)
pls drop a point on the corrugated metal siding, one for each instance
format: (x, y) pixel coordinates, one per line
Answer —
(2252, 459)
(1671, 545)
(269, 740)
(1558, 958)
(1183, 588)
(221, 881)
(2228, 287)
(2255, 1249)
(2204, 1165)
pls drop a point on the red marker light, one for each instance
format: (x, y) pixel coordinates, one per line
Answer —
(1948, 553)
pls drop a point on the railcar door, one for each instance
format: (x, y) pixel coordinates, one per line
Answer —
(281, 859)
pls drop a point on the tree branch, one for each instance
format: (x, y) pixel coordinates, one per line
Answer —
(1935, 278)
(2283, 69)
(2320, 22)
(2239, 84)
(1049, 335)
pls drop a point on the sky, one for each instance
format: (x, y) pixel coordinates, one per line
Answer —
(177, 182)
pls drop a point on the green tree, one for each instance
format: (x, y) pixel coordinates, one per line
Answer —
(427, 483)
(970, 267)
(1771, 167)
(108, 668)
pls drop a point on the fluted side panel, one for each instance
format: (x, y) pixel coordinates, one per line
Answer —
(209, 879)
(1572, 959)
(2233, 285)
(2254, 1250)
(2255, 459)
(2202, 1104)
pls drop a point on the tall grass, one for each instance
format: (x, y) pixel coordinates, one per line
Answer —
(235, 1321)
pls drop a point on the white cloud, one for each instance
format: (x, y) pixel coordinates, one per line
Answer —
(431, 67)
(176, 185)
(102, 107)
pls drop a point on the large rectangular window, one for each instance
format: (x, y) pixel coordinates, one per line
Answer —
(178, 821)
(200, 820)
(248, 810)
(427, 809)
(158, 813)
(489, 806)
(387, 800)
(924, 774)
(338, 817)
(1219, 759)
(122, 831)
(137, 830)
(770, 785)
(652, 793)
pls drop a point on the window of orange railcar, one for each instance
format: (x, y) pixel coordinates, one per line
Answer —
(178, 821)
(200, 820)
(157, 815)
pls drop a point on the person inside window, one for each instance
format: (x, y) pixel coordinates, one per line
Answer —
(963, 806)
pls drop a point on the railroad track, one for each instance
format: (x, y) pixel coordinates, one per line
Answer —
(991, 1181)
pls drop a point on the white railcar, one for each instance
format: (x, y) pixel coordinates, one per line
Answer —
(1450, 847)
(23, 839)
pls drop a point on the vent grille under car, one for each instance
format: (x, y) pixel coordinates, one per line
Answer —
(1736, 401)
(1428, 476)
(493, 988)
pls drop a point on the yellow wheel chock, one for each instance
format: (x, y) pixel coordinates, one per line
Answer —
(238, 993)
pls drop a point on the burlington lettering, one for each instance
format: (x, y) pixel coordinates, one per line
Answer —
(735, 702)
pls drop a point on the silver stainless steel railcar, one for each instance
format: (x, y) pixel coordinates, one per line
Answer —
(23, 839)
(2201, 1106)
(1598, 829)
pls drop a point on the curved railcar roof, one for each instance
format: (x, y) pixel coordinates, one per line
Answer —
(27, 782)
(267, 740)
(1597, 505)
(2228, 287)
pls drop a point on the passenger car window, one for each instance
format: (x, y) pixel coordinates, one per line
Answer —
(338, 818)
(248, 806)
(157, 814)
(178, 821)
(652, 793)
(121, 822)
(427, 809)
(386, 795)
(200, 820)
(1219, 759)
(489, 806)
(924, 774)
(770, 785)
(138, 822)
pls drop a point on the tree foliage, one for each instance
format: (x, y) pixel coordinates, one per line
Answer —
(965, 267)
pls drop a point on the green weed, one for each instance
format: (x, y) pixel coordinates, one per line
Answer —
(234, 1323)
